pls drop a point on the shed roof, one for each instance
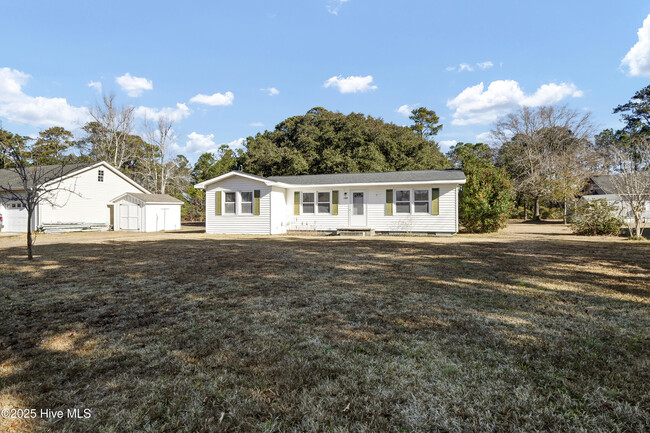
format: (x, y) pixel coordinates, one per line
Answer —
(155, 198)
(452, 175)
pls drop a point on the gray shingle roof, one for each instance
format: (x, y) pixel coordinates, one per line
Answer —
(381, 177)
(155, 198)
(42, 174)
(604, 183)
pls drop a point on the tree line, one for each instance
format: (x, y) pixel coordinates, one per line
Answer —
(537, 161)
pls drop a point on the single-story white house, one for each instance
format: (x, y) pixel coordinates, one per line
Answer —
(602, 187)
(423, 201)
(87, 196)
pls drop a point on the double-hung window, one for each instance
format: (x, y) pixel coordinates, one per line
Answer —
(323, 202)
(308, 202)
(403, 201)
(230, 200)
(100, 175)
(421, 201)
(246, 203)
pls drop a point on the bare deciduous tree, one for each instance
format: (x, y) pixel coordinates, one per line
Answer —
(160, 135)
(32, 184)
(535, 144)
(632, 181)
(115, 124)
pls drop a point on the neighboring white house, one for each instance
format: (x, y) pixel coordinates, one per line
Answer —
(424, 201)
(602, 187)
(88, 196)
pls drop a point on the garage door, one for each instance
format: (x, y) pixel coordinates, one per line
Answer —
(15, 218)
(128, 217)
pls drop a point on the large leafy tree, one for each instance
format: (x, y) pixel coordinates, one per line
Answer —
(52, 146)
(486, 199)
(322, 141)
(208, 165)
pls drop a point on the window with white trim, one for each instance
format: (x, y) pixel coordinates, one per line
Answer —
(421, 201)
(403, 201)
(100, 175)
(246, 205)
(323, 202)
(308, 202)
(229, 203)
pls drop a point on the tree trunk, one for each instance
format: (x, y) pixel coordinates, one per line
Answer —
(564, 215)
(536, 210)
(525, 208)
(30, 247)
(637, 223)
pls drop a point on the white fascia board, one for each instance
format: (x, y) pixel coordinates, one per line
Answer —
(337, 185)
(205, 183)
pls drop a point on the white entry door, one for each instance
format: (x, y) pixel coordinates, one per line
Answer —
(358, 209)
(128, 217)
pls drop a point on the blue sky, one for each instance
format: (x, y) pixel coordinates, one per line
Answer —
(213, 65)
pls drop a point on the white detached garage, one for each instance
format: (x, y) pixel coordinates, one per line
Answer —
(141, 212)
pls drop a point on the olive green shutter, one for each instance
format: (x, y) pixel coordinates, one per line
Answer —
(435, 201)
(256, 204)
(335, 202)
(389, 202)
(296, 203)
(217, 203)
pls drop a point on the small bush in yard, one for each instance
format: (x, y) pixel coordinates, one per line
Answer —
(595, 217)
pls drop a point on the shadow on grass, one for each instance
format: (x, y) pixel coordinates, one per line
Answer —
(283, 334)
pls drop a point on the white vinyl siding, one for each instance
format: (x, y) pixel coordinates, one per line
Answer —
(445, 222)
(89, 201)
(238, 223)
(320, 221)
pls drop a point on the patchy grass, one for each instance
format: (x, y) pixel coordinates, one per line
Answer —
(532, 329)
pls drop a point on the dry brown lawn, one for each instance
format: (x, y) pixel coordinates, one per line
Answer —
(532, 329)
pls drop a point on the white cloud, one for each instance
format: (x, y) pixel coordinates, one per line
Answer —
(133, 86)
(405, 109)
(484, 137)
(477, 105)
(96, 85)
(174, 114)
(334, 6)
(16, 106)
(257, 124)
(271, 91)
(470, 68)
(214, 99)
(549, 94)
(445, 145)
(638, 58)
(200, 143)
(485, 65)
(351, 84)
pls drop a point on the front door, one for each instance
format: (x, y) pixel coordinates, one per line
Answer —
(358, 210)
